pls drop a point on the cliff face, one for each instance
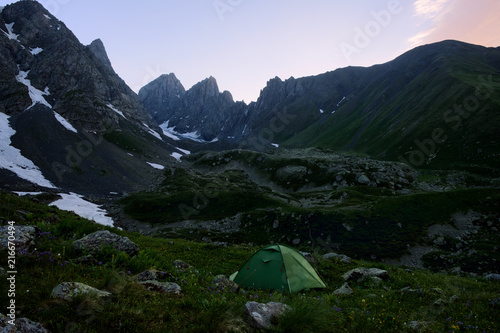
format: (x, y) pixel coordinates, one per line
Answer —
(202, 110)
(79, 81)
(69, 113)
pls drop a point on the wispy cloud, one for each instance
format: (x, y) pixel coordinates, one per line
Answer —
(473, 22)
(429, 8)
(420, 38)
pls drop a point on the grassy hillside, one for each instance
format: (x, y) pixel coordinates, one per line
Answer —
(435, 107)
(441, 303)
(294, 197)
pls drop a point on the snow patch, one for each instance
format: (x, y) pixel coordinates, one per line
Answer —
(11, 158)
(22, 194)
(36, 95)
(169, 131)
(177, 156)
(36, 50)
(340, 101)
(154, 133)
(64, 122)
(186, 152)
(10, 33)
(109, 105)
(75, 203)
(156, 166)
(321, 111)
(47, 16)
(275, 145)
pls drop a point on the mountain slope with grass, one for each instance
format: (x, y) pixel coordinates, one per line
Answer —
(434, 106)
(432, 302)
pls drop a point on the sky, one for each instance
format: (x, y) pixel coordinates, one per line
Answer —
(244, 43)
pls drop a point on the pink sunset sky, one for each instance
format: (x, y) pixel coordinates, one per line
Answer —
(244, 43)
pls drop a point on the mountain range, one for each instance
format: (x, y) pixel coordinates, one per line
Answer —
(434, 106)
(375, 161)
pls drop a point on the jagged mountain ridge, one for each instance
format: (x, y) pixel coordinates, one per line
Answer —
(384, 110)
(202, 109)
(73, 116)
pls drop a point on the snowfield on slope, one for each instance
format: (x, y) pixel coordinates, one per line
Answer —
(11, 158)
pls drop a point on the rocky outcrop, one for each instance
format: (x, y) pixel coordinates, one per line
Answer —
(359, 274)
(97, 48)
(70, 290)
(79, 81)
(24, 237)
(222, 282)
(260, 315)
(162, 287)
(151, 274)
(94, 243)
(21, 325)
(341, 257)
(203, 111)
(345, 289)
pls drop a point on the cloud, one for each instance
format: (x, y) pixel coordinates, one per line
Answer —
(472, 22)
(419, 38)
(429, 8)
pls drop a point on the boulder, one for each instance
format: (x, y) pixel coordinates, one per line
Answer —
(344, 290)
(363, 180)
(162, 287)
(260, 316)
(360, 273)
(69, 290)
(417, 325)
(94, 242)
(179, 264)
(223, 282)
(22, 325)
(492, 277)
(24, 237)
(151, 274)
(342, 257)
(409, 290)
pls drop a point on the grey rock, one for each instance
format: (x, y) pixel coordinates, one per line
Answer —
(179, 264)
(97, 48)
(22, 325)
(162, 287)
(345, 289)
(69, 290)
(363, 180)
(417, 325)
(495, 303)
(492, 277)
(24, 237)
(223, 282)
(260, 315)
(342, 257)
(151, 274)
(94, 242)
(412, 291)
(360, 273)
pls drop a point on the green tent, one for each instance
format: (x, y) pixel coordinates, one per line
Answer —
(278, 267)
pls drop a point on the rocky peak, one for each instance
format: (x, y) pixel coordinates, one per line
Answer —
(78, 82)
(97, 48)
(165, 86)
(206, 89)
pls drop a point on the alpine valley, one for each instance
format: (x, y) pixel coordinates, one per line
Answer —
(397, 163)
